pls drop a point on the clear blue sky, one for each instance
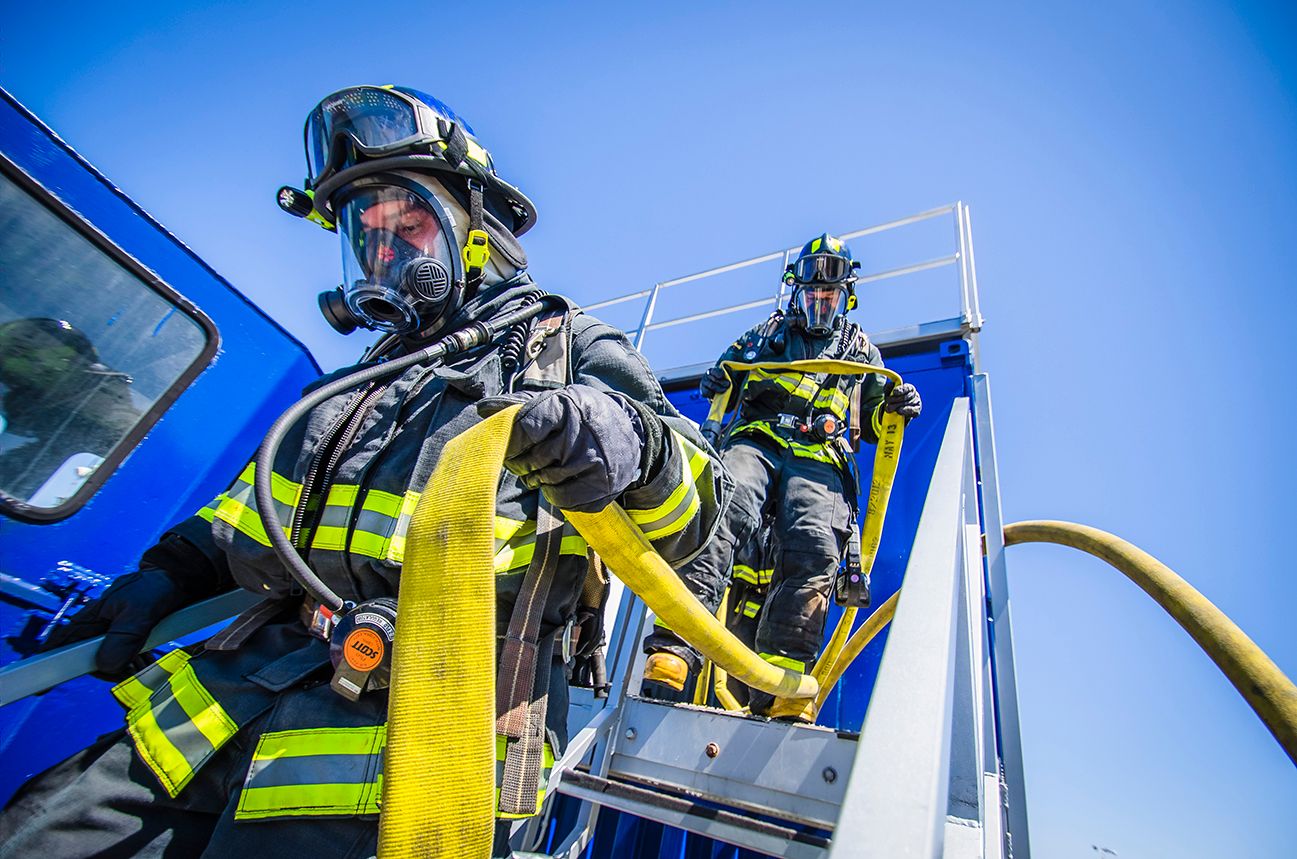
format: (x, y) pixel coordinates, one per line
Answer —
(1132, 171)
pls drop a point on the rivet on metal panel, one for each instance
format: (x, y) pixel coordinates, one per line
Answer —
(712, 750)
(830, 775)
(630, 733)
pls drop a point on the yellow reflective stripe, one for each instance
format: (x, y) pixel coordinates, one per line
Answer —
(386, 503)
(477, 153)
(818, 452)
(744, 573)
(675, 513)
(208, 717)
(507, 529)
(784, 662)
(798, 384)
(750, 608)
(369, 544)
(284, 490)
(209, 512)
(308, 800)
(271, 788)
(321, 741)
(194, 727)
(396, 547)
(158, 754)
(511, 557)
(833, 400)
(245, 520)
(328, 537)
(136, 689)
(342, 495)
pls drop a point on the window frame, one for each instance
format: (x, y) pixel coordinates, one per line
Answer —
(21, 510)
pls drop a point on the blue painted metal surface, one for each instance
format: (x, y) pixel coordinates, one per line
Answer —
(193, 451)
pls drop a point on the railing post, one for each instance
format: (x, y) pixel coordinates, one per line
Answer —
(961, 251)
(649, 306)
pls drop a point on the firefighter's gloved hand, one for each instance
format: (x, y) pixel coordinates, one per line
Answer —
(715, 381)
(904, 400)
(124, 615)
(578, 445)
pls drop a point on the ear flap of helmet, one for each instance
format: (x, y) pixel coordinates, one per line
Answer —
(504, 242)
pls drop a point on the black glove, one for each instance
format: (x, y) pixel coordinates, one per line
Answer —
(124, 614)
(904, 400)
(578, 445)
(715, 381)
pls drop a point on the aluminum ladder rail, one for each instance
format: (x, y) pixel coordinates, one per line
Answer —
(922, 778)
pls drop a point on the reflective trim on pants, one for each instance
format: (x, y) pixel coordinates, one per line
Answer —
(315, 772)
(175, 723)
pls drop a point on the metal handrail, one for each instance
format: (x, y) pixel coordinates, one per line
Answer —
(47, 670)
(970, 309)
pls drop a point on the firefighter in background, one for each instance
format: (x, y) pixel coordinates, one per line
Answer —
(243, 747)
(789, 454)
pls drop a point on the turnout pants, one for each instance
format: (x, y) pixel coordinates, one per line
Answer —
(811, 518)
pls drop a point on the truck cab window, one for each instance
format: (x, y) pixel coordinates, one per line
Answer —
(87, 349)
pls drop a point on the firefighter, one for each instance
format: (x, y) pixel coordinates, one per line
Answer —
(242, 746)
(788, 464)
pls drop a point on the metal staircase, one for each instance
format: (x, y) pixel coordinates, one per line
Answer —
(936, 768)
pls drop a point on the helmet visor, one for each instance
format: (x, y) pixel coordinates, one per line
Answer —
(397, 254)
(821, 268)
(821, 304)
(371, 120)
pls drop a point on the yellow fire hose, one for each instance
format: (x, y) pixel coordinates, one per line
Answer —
(871, 627)
(1267, 689)
(720, 677)
(886, 458)
(833, 649)
(439, 773)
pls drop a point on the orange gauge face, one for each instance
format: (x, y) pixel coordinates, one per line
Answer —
(363, 649)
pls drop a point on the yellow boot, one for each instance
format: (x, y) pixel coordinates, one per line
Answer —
(793, 710)
(668, 669)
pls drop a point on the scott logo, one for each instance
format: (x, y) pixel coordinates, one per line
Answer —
(364, 649)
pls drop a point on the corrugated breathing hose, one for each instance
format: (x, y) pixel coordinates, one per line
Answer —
(1267, 689)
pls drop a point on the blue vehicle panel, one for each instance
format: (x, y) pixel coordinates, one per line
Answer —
(186, 450)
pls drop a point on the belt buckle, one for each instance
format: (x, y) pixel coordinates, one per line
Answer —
(322, 622)
(566, 643)
(787, 421)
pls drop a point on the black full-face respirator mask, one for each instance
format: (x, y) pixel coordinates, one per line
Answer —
(823, 291)
(400, 263)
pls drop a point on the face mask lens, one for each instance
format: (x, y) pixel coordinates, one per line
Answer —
(822, 305)
(396, 256)
(367, 117)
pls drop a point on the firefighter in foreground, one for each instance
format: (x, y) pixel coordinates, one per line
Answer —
(790, 453)
(268, 739)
